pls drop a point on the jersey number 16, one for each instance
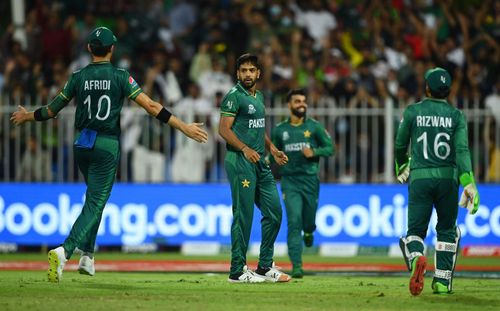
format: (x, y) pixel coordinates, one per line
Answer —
(438, 145)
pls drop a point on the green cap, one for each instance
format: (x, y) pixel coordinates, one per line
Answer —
(102, 35)
(438, 79)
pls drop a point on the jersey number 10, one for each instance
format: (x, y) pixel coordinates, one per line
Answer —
(438, 145)
(99, 104)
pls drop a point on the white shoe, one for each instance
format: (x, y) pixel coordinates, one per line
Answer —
(57, 259)
(86, 265)
(248, 276)
(274, 275)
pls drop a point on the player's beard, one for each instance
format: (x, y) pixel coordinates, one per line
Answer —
(248, 83)
(299, 113)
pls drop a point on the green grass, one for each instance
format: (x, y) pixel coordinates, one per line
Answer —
(29, 290)
(462, 261)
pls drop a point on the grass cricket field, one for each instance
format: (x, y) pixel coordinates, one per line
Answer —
(23, 285)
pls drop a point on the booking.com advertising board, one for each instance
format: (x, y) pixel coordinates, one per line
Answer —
(374, 215)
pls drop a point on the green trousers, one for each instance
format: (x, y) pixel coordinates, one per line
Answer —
(98, 166)
(442, 194)
(252, 184)
(300, 194)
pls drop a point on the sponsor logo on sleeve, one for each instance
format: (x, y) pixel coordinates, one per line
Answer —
(131, 81)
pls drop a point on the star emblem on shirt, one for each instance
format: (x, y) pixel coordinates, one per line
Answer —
(246, 183)
(307, 134)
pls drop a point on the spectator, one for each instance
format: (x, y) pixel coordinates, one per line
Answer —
(201, 62)
(215, 80)
(316, 19)
(343, 46)
(492, 134)
(56, 36)
(282, 73)
(35, 165)
(161, 81)
(183, 17)
(190, 161)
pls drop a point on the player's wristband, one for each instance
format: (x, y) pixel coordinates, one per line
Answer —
(164, 115)
(402, 167)
(467, 179)
(41, 114)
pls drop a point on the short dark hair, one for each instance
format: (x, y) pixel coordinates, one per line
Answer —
(295, 92)
(440, 93)
(247, 58)
(97, 49)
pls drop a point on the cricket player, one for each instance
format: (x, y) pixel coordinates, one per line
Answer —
(439, 159)
(100, 90)
(304, 140)
(242, 126)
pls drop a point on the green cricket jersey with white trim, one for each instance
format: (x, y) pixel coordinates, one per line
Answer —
(100, 89)
(291, 139)
(251, 183)
(439, 154)
(438, 134)
(300, 182)
(249, 115)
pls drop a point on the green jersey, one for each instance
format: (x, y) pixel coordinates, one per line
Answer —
(99, 89)
(291, 139)
(438, 134)
(249, 114)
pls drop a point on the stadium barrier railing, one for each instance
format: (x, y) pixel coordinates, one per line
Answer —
(154, 153)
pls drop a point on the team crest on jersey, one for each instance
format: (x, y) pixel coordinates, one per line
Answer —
(286, 136)
(251, 109)
(229, 105)
(131, 81)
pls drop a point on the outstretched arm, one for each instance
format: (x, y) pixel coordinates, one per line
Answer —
(155, 109)
(51, 110)
(22, 115)
(41, 114)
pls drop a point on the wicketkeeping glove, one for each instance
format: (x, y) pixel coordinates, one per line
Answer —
(403, 171)
(470, 197)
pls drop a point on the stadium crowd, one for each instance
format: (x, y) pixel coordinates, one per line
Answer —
(347, 53)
